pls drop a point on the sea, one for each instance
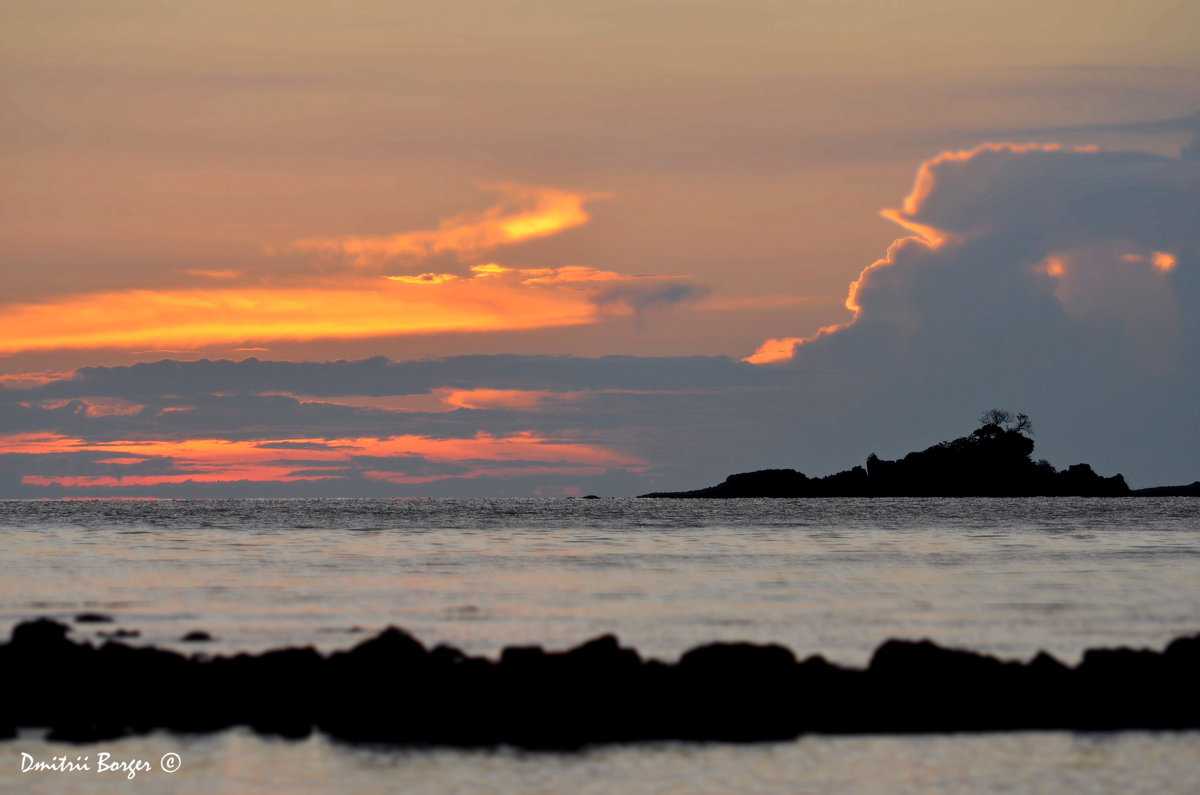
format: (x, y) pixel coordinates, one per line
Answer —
(835, 577)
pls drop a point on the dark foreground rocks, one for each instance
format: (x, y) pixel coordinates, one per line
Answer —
(391, 689)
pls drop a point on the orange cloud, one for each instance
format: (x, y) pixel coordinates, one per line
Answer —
(568, 274)
(215, 274)
(450, 399)
(775, 350)
(1159, 259)
(287, 460)
(424, 402)
(405, 479)
(1055, 267)
(141, 319)
(425, 278)
(524, 213)
(490, 298)
(571, 274)
(30, 380)
(930, 235)
(1163, 261)
(895, 250)
(40, 443)
(504, 399)
(779, 350)
(489, 269)
(784, 348)
(95, 407)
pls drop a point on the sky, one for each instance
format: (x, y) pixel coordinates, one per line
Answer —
(529, 248)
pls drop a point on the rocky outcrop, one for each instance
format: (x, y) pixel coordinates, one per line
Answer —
(993, 461)
(392, 689)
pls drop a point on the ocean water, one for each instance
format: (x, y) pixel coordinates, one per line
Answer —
(832, 577)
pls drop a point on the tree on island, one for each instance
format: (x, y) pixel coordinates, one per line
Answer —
(1002, 420)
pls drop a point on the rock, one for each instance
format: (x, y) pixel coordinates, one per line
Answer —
(390, 689)
(42, 632)
(120, 633)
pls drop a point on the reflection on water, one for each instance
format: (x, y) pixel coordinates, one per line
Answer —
(237, 761)
(835, 577)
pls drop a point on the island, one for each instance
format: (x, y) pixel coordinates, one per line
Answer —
(995, 460)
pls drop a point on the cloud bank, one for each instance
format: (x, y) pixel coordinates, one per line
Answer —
(1063, 283)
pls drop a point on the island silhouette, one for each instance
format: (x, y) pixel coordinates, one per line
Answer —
(994, 460)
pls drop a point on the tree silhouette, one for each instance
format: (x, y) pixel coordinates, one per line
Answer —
(1007, 421)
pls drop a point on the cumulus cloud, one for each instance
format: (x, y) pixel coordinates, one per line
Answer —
(1016, 239)
(1061, 280)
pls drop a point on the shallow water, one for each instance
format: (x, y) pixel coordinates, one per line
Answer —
(1027, 763)
(835, 577)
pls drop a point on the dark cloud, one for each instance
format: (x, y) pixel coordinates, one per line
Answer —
(378, 376)
(642, 298)
(296, 446)
(1066, 287)
(1171, 124)
(1185, 124)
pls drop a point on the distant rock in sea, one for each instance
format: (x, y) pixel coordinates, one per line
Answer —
(392, 689)
(993, 461)
(93, 618)
(1192, 490)
(121, 633)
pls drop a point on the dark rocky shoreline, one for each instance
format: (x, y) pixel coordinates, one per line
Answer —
(391, 689)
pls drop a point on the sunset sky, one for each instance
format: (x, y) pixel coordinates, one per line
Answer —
(496, 248)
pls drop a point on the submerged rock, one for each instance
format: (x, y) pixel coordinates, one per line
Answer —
(93, 618)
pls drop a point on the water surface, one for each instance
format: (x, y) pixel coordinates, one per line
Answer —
(834, 577)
